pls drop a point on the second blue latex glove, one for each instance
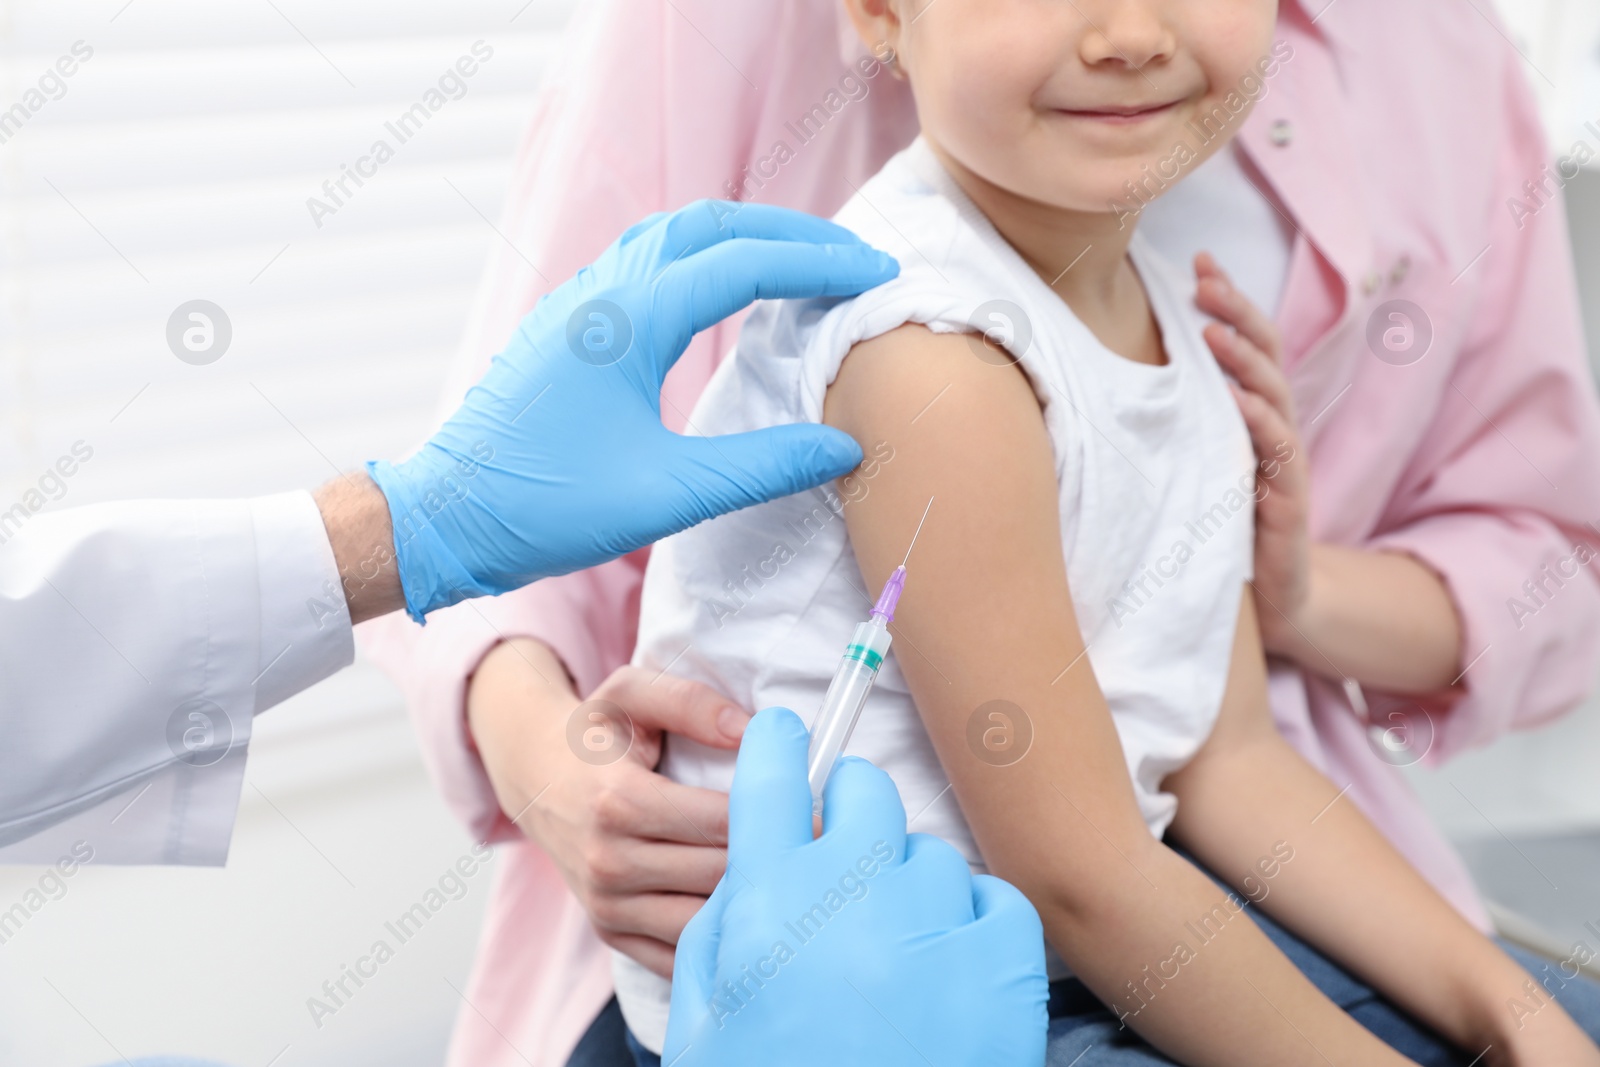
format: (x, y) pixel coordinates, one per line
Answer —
(557, 460)
(866, 945)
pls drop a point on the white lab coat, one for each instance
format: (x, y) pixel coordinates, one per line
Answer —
(137, 642)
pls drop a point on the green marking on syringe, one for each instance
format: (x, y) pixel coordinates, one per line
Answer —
(866, 655)
(847, 692)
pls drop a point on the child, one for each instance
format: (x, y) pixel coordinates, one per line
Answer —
(1077, 688)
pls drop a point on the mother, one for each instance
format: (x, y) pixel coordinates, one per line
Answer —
(1429, 334)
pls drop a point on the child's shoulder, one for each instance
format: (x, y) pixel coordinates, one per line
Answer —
(910, 210)
(946, 272)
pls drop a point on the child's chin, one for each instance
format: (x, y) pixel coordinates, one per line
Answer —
(1099, 197)
(1082, 181)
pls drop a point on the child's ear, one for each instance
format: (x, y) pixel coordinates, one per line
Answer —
(879, 26)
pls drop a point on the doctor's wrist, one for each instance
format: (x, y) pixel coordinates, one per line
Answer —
(356, 516)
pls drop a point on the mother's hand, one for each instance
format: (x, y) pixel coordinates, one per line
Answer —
(1248, 346)
(640, 851)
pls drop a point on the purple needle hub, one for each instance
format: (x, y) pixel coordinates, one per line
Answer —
(890, 596)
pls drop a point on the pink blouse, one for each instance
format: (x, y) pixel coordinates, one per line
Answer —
(1395, 137)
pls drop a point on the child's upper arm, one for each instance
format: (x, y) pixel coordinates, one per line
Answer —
(1244, 717)
(1208, 786)
(987, 614)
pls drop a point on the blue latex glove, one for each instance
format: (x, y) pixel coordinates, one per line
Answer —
(557, 459)
(866, 945)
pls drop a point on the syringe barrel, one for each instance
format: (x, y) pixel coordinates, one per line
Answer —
(831, 730)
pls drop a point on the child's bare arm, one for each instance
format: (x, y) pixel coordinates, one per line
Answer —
(1248, 800)
(988, 616)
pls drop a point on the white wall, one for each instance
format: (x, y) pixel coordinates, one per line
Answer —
(1560, 41)
(338, 832)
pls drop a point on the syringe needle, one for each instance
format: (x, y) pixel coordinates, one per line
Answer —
(914, 536)
(847, 693)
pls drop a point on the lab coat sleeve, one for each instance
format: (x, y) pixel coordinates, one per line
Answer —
(140, 640)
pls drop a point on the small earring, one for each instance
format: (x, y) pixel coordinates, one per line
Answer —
(889, 58)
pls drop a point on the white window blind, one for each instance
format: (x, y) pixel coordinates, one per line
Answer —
(176, 162)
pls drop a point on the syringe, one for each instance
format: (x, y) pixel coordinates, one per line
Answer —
(847, 693)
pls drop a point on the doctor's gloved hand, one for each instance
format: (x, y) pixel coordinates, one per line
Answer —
(557, 459)
(865, 945)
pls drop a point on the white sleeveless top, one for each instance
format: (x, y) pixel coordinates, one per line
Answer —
(1156, 479)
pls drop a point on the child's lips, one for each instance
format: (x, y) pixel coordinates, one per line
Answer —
(1120, 115)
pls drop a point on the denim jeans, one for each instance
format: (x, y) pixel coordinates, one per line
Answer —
(1085, 1033)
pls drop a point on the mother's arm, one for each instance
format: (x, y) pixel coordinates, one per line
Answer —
(584, 619)
(1505, 482)
(1381, 618)
(491, 685)
(1502, 486)
(989, 615)
(639, 851)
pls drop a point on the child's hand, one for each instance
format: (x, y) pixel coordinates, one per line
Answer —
(1548, 1037)
(1247, 345)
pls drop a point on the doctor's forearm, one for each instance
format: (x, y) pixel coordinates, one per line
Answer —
(356, 515)
(1381, 618)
